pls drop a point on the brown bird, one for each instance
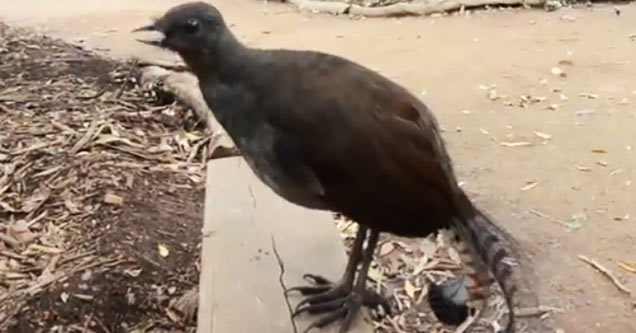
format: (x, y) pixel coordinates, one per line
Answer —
(326, 133)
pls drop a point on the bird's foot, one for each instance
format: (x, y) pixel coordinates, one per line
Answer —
(340, 300)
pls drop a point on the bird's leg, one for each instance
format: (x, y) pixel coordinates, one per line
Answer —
(322, 285)
(344, 298)
(361, 295)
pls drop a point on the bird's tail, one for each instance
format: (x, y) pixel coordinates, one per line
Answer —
(487, 251)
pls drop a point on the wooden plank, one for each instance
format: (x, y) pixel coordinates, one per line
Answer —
(239, 288)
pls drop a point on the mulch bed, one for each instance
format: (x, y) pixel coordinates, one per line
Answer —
(101, 194)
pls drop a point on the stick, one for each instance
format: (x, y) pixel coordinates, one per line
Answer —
(120, 91)
(549, 218)
(535, 311)
(606, 272)
(282, 284)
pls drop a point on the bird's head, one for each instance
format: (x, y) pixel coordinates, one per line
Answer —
(192, 30)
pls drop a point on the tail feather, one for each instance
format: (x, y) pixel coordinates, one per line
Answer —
(490, 249)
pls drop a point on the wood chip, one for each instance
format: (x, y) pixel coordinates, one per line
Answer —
(113, 199)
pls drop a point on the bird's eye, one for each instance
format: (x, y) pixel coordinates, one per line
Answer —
(191, 26)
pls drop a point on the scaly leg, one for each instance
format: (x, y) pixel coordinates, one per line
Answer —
(343, 299)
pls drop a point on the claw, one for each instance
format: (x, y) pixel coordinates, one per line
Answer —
(316, 279)
(320, 307)
(328, 319)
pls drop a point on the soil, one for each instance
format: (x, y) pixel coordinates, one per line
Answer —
(138, 292)
(128, 282)
(549, 153)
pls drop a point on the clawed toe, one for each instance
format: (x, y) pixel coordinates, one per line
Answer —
(344, 309)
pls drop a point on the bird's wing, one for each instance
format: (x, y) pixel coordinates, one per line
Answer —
(366, 139)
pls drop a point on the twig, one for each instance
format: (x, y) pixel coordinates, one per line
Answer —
(101, 324)
(606, 272)
(84, 140)
(547, 217)
(468, 322)
(96, 95)
(120, 91)
(87, 323)
(395, 325)
(282, 285)
(535, 311)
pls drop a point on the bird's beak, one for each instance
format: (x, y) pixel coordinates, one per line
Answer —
(151, 27)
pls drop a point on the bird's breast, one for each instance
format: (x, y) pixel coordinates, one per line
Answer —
(258, 152)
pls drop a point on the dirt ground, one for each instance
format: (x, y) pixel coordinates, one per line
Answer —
(538, 109)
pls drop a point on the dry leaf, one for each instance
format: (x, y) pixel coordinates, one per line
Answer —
(516, 144)
(599, 151)
(409, 288)
(133, 272)
(568, 18)
(602, 163)
(163, 250)
(583, 168)
(544, 136)
(628, 266)
(588, 95)
(64, 296)
(84, 297)
(529, 186)
(36, 200)
(173, 315)
(557, 72)
(454, 255)
(553, 106)
(386, 248)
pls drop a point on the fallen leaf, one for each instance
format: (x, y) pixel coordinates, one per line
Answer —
(133, 272)
(163, 250)
(409, 288)
(568, 18)
(573, 225)
(454, 256)
(84, 297)
(567, 62)
(575, 222)
(386, 248)
(529, 186)
(374, 274)
(599, 151)
(628, 266)
(588, 95)
(516, 144)
(583, 168)
(542, 135)
(553, 106)
(557, 72)
(602, 163)
(173, 315)
(492, 95)
(36, 200)
(64, 296)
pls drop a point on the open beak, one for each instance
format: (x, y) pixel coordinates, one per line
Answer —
(151, 27)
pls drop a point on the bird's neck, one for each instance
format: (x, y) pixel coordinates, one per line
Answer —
(225, 59)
